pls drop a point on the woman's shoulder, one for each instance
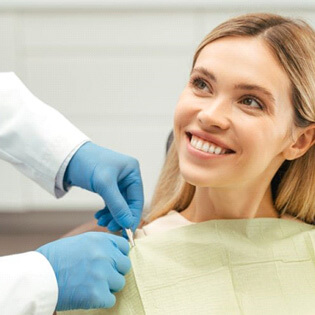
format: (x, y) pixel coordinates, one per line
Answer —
(290, 217)
(171, 220)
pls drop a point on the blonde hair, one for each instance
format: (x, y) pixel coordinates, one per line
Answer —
(293, 187)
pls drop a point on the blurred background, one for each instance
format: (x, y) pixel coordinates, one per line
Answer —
(115, 69)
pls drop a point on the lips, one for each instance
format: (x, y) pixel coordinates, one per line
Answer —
(208, 138)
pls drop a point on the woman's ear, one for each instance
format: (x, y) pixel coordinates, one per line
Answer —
(305, 139)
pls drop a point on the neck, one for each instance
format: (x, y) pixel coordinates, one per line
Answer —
(213, 204)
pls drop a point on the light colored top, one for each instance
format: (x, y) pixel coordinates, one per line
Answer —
(173, 219)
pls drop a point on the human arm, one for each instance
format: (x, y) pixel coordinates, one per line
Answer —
(34, 137)
(46, 147)
(27, 284)
(115, 177)
(89, 268)
(78, 272)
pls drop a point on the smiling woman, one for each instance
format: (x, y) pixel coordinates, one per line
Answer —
(230, 228)
(251, 90)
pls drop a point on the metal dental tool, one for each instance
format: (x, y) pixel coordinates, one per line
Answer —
(130, 236)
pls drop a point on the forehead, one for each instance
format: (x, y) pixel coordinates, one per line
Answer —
(246, 60)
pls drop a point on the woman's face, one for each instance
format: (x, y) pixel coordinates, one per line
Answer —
(222, 100)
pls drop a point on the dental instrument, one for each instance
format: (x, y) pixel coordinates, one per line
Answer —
(130, 236)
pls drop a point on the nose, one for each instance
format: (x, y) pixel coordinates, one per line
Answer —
(216, 114)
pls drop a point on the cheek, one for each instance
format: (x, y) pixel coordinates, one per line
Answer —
(255, 142)
(178, 123)
(257, 150)
(185, 106)
(183, 117)
(177, 116)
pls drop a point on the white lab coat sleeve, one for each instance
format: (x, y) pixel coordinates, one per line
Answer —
(28, 285)
(34, 137)
(60, 190)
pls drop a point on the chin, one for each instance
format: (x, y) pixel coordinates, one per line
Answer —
(206, 180)
(198, 181)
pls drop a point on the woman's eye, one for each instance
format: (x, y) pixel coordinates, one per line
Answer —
(200, 84)
(252, 101)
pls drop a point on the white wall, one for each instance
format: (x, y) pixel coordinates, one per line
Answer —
(115, 69)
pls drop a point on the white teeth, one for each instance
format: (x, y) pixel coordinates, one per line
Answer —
(212, 148)
(206, 146)
(217, 150)
(199, 144)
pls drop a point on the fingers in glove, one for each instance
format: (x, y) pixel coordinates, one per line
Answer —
(121, 243)
(116, 281)
(122, 263)
(99, 213)
(105, 219)
(113, 226)
(117, 206)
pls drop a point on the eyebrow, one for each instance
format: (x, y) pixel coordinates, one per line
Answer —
(240, 86)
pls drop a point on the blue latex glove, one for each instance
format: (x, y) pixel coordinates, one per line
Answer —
(88, 268)
(115, 177)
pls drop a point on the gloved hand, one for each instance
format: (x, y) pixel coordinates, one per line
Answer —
(88, 268)
(115, 177)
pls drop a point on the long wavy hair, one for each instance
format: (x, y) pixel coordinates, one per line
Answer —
(293, 186)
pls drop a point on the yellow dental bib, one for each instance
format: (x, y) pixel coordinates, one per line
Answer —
(219, 267)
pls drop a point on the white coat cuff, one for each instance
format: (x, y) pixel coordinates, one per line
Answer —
(28, 285)
(59, 187)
